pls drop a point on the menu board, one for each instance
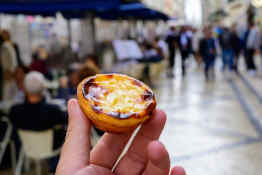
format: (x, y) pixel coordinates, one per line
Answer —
(127, 49)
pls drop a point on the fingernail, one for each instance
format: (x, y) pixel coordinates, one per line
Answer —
(72, 105)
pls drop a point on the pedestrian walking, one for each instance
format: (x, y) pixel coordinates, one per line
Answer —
(251, 40)
(226, 43)
(207, 50)
(184, 47)
(237, 47)
(171, 41)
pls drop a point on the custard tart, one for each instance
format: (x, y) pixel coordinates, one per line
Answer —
(115, 103)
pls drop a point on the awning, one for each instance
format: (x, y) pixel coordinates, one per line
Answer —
(50, 7)
(105, 9)
(136, 11)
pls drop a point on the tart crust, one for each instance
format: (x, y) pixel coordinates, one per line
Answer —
(115, 103)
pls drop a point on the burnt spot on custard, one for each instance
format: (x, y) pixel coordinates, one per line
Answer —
(97, 109)
(147, 95)
(94, 95)
(87, 85)
(109, 76)
(95, 91)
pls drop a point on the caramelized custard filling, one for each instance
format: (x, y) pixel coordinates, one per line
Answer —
(119, 96)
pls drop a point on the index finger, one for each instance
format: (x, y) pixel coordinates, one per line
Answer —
(109, 148)
(136, 156)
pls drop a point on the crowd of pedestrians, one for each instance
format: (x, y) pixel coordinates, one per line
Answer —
(211, 43)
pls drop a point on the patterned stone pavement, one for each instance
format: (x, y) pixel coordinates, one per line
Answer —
(213, 128)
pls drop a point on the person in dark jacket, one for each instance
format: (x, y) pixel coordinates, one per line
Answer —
(225, 41)
(35, 114)
(171, 40)
(207, 51)
(237, 47)
(184, 48)
(63, 91)
(18, 56)
(39, 63)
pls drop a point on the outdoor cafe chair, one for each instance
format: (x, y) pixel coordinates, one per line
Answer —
(36, 146)
(6, 140)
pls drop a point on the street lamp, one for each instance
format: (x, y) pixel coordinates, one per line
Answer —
(256, 3)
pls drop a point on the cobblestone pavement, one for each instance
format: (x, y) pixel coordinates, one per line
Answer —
(213, 128)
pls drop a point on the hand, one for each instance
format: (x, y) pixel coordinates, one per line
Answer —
(146, 156)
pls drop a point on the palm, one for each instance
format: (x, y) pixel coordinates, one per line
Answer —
(146, 155)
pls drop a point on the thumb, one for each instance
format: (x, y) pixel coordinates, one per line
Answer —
(76, 150)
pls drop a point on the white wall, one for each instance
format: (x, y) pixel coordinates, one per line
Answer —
(193, 12)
